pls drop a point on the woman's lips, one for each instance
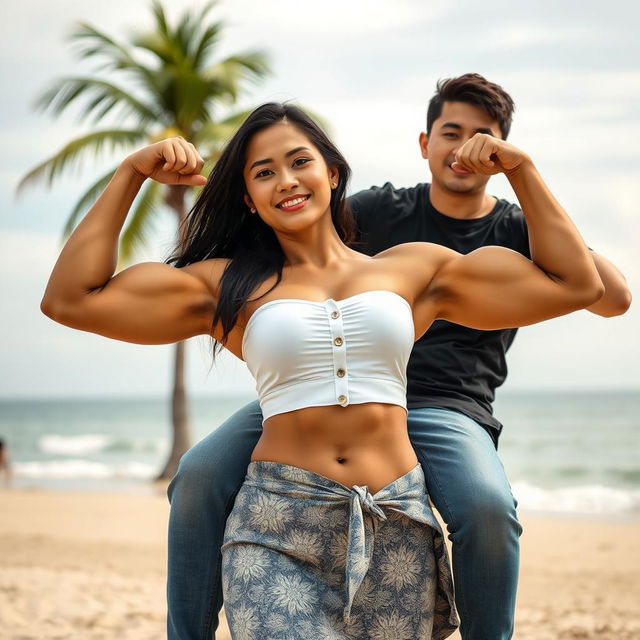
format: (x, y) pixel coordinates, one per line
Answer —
(295, 207)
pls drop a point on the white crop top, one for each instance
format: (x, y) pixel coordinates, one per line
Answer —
(304, 353)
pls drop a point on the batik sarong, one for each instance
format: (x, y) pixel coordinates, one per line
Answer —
(308, 558)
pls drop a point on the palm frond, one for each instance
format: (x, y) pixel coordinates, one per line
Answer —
(208, 39)
(161, 20)
(94, 142)
(88, 42)
(67, 90)
(86, 201)
(186, 39)
(159, 41)
(255, 64)
(165, 49)
(183, 36)
(137, 230)
(215, 134)
(227, 77)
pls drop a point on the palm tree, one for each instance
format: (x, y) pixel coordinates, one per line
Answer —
(181, 93)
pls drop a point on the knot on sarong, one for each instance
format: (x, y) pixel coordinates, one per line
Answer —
(367, 503)
(360, 546)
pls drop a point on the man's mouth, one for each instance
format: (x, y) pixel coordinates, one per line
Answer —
(459, 172)
(294, 203)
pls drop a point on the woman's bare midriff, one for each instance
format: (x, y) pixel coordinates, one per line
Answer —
(361, 444)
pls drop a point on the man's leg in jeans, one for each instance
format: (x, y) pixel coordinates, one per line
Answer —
(468, 486)
(202, 495)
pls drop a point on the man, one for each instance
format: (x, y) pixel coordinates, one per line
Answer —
(452, 376)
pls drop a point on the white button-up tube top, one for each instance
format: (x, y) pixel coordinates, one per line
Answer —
(304, 353)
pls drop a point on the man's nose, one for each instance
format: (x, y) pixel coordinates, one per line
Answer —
(460, 143)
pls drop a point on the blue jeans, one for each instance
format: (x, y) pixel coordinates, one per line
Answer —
(465, 480)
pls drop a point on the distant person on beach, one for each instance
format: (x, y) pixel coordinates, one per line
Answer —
(453, 373)
(5, 464)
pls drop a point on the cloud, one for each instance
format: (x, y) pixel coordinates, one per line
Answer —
(510, 37)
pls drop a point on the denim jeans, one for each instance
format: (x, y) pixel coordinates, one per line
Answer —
(465, 480)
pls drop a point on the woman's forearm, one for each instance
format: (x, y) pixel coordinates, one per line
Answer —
(90, 255)
(556, 244)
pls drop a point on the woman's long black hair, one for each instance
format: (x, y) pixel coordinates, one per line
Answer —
(220, 225)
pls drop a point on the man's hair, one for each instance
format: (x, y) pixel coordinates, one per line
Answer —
(473, 89)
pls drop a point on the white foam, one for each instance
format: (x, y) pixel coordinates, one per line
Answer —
(73, 445)
(595, 499)
(97, 443)
(587, 499)
(85, 469)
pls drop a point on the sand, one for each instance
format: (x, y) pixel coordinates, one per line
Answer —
(93, 566)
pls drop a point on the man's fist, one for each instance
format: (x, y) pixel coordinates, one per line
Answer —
(487, 155)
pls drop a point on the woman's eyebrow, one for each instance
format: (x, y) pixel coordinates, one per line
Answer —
(286, 155)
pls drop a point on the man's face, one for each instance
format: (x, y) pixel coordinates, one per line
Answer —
(458, 122)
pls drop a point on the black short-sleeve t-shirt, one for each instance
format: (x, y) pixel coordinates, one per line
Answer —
(451, 366)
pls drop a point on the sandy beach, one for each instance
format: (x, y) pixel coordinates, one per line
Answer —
(93, 565)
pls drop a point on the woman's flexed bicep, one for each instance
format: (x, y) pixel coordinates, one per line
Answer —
(497, 288)
(148, 303)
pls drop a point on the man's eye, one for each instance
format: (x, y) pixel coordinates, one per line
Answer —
(449, 135)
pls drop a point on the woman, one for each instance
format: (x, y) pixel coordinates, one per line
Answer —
(331, 535)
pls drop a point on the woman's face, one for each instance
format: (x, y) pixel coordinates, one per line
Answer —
(287, 179)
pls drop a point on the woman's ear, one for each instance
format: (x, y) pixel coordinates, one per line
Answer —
(249, 203)
(334, 177)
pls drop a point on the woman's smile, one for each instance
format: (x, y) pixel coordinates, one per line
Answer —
(293, 203)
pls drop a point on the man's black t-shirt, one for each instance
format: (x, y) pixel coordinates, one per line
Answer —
(451, 366)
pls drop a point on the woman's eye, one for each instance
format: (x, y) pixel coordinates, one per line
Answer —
(263, 173)
(300, 161)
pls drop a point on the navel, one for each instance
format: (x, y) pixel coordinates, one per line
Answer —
(341, 460)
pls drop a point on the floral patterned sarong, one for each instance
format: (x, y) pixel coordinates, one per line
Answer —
(305, 557)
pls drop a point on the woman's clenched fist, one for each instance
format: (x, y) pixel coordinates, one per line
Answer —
(170, 161)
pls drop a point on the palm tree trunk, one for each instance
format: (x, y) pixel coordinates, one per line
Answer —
(181, 424)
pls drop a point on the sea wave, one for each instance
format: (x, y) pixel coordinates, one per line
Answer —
(587, 499)
(85, 469)
(98, 443)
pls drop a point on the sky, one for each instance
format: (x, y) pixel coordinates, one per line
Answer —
(368, 68)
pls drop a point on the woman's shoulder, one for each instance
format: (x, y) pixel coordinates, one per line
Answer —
(415, 264)
(427, 252)
(209, 272)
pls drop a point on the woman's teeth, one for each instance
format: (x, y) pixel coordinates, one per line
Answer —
(293, 203)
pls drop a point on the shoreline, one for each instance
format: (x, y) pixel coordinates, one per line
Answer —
(159, 488)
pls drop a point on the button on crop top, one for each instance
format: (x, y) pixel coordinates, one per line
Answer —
(304, 353)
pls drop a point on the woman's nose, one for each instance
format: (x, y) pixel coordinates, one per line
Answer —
(287, 182)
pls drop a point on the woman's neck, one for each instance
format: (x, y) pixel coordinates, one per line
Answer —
(318, 247)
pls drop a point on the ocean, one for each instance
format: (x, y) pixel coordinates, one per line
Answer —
(564, 452)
